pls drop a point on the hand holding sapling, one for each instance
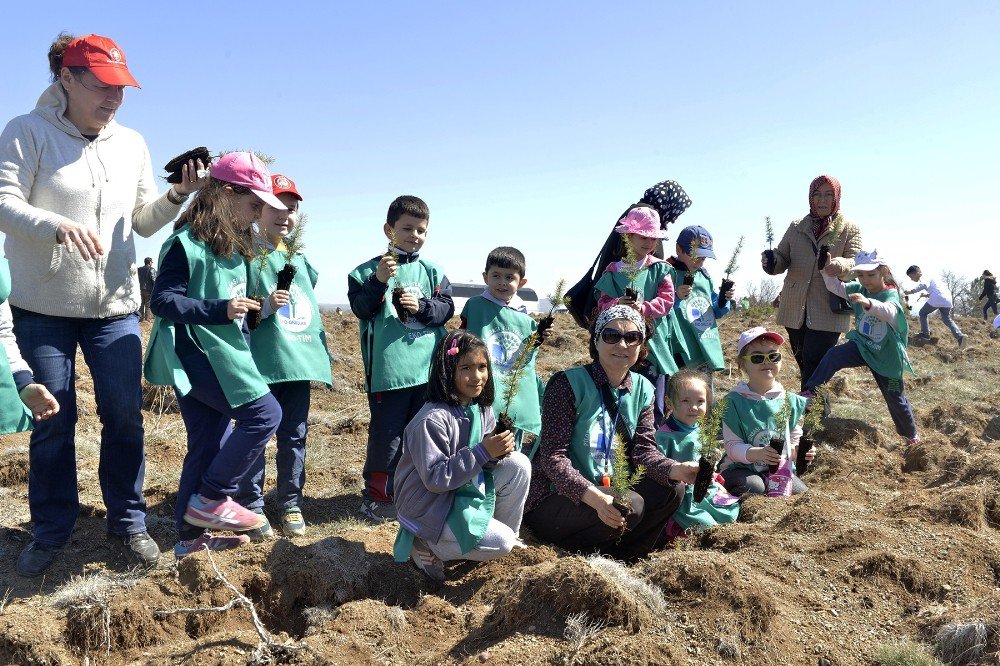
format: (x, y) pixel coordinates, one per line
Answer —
(279, 299)
(293, 245)
(727, 285)
(239, 306)
(623, 478)
(499, 444)
(767, 259)
(556, 298)
(812, 423)
(409, 303)
(823, 256)
(782, 420)
(709, 429)
(630, 267)
(397, 292)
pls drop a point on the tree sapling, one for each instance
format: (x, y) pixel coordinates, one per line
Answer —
(262, 252)
(693, 253)
(623, 477)
(731, 267)
(781, 418)
(769, 252)
(709, 431)
(630, 266)
(293, 245)
(556, 298)
(812, 423)
(823, 256)
(397, 291)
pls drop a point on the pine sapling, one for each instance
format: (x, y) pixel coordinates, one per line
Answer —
(293, 245)
(693, 253)
(731, 267)
(630, 267)
(781, 419)
(709, 436)
(397, 291)
(511, 381)
(769, 232)
(623, 477)
(556, 298)
(823, 258)
(262, 254)
(812, 423)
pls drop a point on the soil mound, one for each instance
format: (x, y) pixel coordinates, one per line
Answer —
(910, 573)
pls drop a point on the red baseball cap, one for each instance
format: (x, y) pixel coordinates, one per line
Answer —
(282, 184)
(102, 57)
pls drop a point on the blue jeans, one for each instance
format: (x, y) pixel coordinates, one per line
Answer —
(112, 349)
(219, 453)
(848, 356)
(927, 309)
(291, 451)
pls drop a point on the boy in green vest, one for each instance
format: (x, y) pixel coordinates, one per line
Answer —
(500, 318)
(397, 342)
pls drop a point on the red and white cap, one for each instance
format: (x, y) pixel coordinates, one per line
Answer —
(281, 184)
(102, 57)
(246, 170)
(756, 333)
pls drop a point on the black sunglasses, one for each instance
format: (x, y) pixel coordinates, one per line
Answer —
(772, 357)
(613, 336)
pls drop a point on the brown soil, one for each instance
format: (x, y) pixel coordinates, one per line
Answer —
(891, 543)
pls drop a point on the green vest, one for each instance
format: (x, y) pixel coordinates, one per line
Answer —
(685, 447)
(14, 414)
(209, 277)
(882, 346)
(398, 355)
(290, 345)
(590, 450)
(695, 319)
(647, 283)
(472, 508)
(504, 331)
(753, 421)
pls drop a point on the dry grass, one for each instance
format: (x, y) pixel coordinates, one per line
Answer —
(904, 653)
(90, 588)
(962, 644)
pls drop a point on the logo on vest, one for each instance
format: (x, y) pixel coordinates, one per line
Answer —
(699, 312)
(416, 290)
(237, 288)
(297, 315)
(872, 328)
(503, 346)
(602, 443)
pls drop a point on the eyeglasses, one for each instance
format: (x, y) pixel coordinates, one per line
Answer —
(613, 336)
(772, 357)
(109, 91)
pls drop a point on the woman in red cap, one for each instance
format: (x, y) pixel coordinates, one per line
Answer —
(74, 186)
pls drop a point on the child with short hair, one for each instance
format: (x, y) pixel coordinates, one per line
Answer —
(938, 298)
(689, 399)
(640, 228)
(749, 421)
(396, 353)
(460, 490)
(878, 340)
(289, 348)
(698, 306)
(500, 318)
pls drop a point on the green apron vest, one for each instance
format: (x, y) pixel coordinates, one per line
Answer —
(504, 331)
(472, 509)
(685, 447)
(290, 345)
(882, 346)
(647, 283)
(753, 421)
(210, 277)
(398, 355)
(695, 319)
(14, 414)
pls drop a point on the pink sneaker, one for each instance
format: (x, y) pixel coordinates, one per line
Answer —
(210, 541)
(913, 441)
(221, 515)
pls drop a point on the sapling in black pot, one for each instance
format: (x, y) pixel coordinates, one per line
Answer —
(709, 430)
(731, 268)
(175, 166)
(630, 266)
(262, 253)
(812, 423)
(555, 299)
(769, 237)
(293, 245)
(823, 255)
(397, 291)
(623, 477)
(781, 418)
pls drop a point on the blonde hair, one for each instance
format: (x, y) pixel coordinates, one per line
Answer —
(212, 217)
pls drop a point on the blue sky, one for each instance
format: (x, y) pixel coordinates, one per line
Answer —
(536, 124)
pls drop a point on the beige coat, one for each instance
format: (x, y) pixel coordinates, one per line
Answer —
(804, 297)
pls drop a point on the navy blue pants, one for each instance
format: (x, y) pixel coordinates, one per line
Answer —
(291, 451)
(391, 411)
(219, 453)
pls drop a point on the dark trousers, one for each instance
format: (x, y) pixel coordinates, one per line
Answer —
(290, 451)
(848, 356)
(577, 528)
(144, 312)
(991, 302)
(809, 346)
(391, 411)
(219, 452)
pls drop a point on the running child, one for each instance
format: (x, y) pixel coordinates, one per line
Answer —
(938, 298)
(460, 491)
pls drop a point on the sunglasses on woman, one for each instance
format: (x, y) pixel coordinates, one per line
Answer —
(613, 336)
(771, 357)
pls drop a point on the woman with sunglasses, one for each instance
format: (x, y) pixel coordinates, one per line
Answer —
(569, 503)
(74, 187)
(751, 417)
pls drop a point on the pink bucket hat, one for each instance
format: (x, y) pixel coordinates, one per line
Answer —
(642, 221)
(246, 170)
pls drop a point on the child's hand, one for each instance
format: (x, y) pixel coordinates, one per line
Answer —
(683, 291)
(38, 399)
(386, 269)
(499, 445)
(832, 269)
(763, 454)
(685, 472)
(729, 295)
(601, 502)
(860, 300)
(279, 299)
(240, 306)
(409, 302)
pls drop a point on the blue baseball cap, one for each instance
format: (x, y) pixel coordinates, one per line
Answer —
(687, 237)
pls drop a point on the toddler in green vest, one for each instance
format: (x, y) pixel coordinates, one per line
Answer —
(879, 338)
(759, 409)
(402, 302)
(460, 489)
(289, 347)
(500, 318)
(650, 278)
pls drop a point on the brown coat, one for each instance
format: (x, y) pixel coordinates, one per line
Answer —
(804, 296)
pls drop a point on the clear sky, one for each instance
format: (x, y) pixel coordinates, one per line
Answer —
(536, 124)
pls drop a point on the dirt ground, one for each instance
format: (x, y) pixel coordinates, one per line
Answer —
(890, 548)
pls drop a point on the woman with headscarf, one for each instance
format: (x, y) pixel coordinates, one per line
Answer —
(813, 319)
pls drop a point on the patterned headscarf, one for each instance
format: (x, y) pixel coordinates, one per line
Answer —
(820, 224)
(619, 312)
(669, 199)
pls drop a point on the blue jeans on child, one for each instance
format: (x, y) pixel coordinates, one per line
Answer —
(219, 453)
(927, 309)
(112, 349)
(291, 451)
(848, 356)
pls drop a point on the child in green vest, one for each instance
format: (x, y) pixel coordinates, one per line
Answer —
(199, 345)
(396, 341)
(678, 439)
(650, 278)
(289, 347)
(697, 306)
(751, 418)
(878, 340)
(500, 318)
(460, 489)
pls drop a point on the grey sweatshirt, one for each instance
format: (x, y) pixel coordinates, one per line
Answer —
(49, 173)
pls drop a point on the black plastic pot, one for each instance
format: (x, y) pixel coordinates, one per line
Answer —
(285, 277)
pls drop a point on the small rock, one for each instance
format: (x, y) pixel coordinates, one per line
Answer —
(484, 656)
(822, 661)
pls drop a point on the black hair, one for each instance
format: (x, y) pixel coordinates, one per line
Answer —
(912, 269)
(441, 384)
(682, 377)
(643, 346)
(506, 257)
(407, 205)
(148, 260)
(987, 274)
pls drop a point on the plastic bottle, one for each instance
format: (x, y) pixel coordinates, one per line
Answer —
(779, 484)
